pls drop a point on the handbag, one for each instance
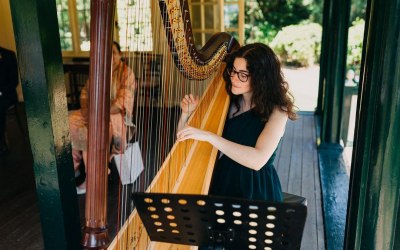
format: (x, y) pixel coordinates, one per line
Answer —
(129, 164)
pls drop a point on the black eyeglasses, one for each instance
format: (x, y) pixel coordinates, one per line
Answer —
(243, 77)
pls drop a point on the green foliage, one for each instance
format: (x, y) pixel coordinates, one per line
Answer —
(355, 43)
(357, 10)
(280, 13)
(262, 33)
(317, 10)
(293, 28)
(264, 18)
(298, 45)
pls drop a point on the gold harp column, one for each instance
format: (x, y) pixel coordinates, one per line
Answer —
(95, 233)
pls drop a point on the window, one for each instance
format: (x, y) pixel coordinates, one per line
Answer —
(208, 18)
(74, 26)
(205, 19)
(83, 16)
(133, 31)
(134, 25)
(64, 25)
(234, 18)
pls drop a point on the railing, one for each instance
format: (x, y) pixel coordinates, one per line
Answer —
(350, 94)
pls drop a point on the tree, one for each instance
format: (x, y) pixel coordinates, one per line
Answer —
(357, 10)
(264, 18)
(281, 13)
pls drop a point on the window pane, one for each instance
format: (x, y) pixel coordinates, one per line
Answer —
(83, 12)
(196, 17)
(64, 25)
(231, 13)
(209, 16)
(197, 39)
(134, 25)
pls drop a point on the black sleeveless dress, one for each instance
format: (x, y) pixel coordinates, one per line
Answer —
(234, 180)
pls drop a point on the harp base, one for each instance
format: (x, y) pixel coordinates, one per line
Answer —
(95, 238)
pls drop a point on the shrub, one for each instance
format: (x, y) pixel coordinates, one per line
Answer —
(263, 33)
(298, 45)
(355, 43)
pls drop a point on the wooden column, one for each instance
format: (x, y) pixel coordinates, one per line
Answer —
(95, 233)
(40, 65)
(324, 55)
(374, 203)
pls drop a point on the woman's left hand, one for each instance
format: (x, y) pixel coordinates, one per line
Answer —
(189, 132)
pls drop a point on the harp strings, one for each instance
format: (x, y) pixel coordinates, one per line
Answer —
(159, 89)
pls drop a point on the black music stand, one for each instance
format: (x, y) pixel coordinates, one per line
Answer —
(214, 222)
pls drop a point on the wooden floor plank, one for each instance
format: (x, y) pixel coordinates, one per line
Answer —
(310, 236)
(318, 193)
(301, 162)
(282, 160)
(294, 184)
(17, 203)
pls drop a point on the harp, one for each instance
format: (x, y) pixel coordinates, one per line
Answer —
(187, 167)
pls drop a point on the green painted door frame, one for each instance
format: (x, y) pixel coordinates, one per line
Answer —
(333, 67)
(40, 64)
(373, 217)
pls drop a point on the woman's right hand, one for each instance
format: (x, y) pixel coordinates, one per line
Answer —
(189, 104)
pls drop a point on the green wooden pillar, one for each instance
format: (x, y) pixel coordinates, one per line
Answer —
(334, 67)
(327, 11)
(373, 218)
(40, 63)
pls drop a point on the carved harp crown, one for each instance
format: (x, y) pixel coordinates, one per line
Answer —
(188, 166)
(193, 63)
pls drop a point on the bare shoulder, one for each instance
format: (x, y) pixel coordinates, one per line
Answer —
(277, 122)
(280, 114)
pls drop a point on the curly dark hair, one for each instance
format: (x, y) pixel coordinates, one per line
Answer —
(270, 90)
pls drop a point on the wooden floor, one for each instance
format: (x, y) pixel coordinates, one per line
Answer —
(20, 228)
(297, 167)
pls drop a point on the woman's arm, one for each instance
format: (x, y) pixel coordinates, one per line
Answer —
(125, 94)
(251, 157)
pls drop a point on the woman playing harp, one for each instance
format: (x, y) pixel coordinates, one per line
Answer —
(260, 107)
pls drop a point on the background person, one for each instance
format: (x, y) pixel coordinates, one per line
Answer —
(122, 89)
(8, 93)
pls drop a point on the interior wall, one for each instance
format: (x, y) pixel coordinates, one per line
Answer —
(7, 39)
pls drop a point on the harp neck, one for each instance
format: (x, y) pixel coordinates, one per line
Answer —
(192, 63)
